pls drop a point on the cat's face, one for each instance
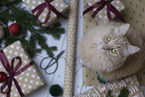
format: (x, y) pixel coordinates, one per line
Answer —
(115, 47)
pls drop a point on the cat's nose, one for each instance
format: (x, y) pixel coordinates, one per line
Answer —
(105, 47)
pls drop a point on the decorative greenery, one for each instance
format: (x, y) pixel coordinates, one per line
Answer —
(6, 2)
(123, 93)
(15, 12)
(109, 94)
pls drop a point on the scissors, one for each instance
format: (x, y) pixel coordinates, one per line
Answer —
(54, 60)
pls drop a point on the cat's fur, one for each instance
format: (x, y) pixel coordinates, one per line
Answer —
(96, 54)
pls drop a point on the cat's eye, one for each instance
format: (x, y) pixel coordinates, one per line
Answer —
(114, 51)
(109, 38)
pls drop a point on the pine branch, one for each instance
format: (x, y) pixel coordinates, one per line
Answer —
(109, 94)
(26, 19)
(124, 92)
(6, 2)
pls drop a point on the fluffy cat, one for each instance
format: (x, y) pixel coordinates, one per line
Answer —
(114, 50)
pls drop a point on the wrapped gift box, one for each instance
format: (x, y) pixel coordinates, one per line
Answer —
(131, 83)
(30, 79)
(103, 13)
(58, 4)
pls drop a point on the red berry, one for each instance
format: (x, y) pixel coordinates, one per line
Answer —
(15, 29)
(3, 76)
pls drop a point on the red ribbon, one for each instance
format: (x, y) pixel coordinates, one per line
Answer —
(39, 9)
(12, 72)
(100, 5)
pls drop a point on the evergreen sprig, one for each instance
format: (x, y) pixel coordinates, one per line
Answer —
(123, 93)
(24, 17)
(6, 2)
(109, 94)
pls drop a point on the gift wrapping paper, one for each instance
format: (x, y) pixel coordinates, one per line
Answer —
(58, 4)
(103, 13)
(30, 79)
(70, 49)
(134, 14)
(131, 83)
(90, 77)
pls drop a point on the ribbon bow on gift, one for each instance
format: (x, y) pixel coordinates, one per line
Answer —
(50, 8)
(109, 8)
(12, 72)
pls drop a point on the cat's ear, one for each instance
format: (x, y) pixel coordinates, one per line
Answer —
(132, 49)
(122, 30)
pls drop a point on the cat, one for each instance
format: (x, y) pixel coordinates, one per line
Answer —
(115, 50)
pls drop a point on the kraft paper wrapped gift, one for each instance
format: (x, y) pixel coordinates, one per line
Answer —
(131, 83)
(29, 79)
(58, 4)
(103, 13)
